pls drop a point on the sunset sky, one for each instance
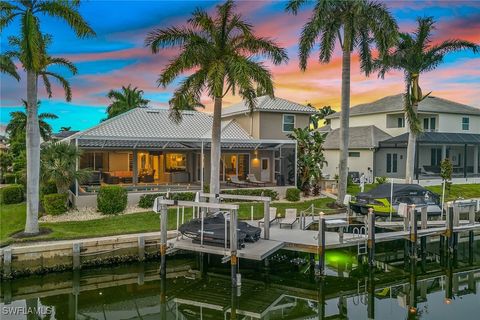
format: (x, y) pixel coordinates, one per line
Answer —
(117, 56)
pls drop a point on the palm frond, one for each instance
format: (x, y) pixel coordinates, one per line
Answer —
(64, 82)
(48, 85)
(68, 12)
(8, 67)
(62, 62)
(294, 5)
(170, 37)
(453, 45)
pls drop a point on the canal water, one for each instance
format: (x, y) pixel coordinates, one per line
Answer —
(198, 286)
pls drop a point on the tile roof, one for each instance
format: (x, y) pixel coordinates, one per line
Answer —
(395, 104)
(155, 124)
(365, 137)
(268, 104)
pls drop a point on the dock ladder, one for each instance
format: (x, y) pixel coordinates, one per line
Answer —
(361, 245)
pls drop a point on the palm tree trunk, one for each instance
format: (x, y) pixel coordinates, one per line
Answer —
(410, 161)
(33, 155)
(344, 125)
(215, 147)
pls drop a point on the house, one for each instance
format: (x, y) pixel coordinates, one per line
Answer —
(144, 149)
(379, 135)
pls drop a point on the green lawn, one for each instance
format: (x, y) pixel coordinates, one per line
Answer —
(12, 219)
(354, 189)
(465, 191)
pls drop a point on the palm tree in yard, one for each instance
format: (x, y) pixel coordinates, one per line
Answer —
(32, 57)
(415, 54)
(18, 124)
(355, 24)
(222, 51)
(321, 114)
(126, 99)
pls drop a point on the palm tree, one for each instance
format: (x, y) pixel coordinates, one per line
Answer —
(414, 54)
(362, 22)
(125, 100)
(32, 56)
(58, 164)
(222, 51)
(18, 124)
(8, 67)
(65, 128)
(181, 103)
(321, 114)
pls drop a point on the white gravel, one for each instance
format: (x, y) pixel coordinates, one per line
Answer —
(85, 214)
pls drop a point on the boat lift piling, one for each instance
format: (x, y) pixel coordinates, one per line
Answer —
(413, 232)
(320, 267)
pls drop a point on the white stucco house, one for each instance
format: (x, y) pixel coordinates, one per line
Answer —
(379, 135)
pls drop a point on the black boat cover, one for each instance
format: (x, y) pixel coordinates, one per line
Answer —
(214, 230)
(399, 189)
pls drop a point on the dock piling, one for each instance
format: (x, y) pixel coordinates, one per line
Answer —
(141, 248)
(266, 220)
(7, 262)
(233, 246)
(163, 237)
(413, 232)
(371, 236)
(76, 255)
(449, 228)
(320, 268)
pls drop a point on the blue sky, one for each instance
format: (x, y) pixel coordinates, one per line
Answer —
(117, 56)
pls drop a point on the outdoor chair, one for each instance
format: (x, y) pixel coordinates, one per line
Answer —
(290, 218)
(273, 216)
(253, 180)
(237, 182)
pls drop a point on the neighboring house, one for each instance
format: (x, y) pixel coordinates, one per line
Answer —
(144, 147)
(3, 143)
(450, 130)
(63, 134)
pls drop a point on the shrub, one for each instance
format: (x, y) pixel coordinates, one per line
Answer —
(9, 178)
(253, 192)
(146, 201)
(55, 203)
(381, 180)
(48, 187)
(111, 199)
(292, 194)
(12, 194)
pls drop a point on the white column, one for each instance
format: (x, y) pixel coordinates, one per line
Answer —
(476, 155)
(444, 151)
(201, 168)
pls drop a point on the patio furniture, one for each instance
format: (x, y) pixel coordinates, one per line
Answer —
(237, 182)
(94, 179)
(108, 178)
(253, 180)
(290, 218)
(147, 177)
(272, 218)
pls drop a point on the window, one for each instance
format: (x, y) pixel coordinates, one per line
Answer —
(175, 162)
(354, 154)
(432, 124)
(288, 122)
(435, 156)
(425, 124)
(392, 162)
(401, 122)
(465, 123)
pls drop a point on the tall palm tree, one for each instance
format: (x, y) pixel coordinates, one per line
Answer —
(32, 55)
(18, 124)
(222, 51)
(415, 54)
(356, 24)
(126, 99)
(8, 67)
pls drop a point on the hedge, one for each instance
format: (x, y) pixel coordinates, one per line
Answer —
(12, 194)
(111, 199)
(55, 203)
(253, 192)
(146, 200)
(292, 194)
(48, 187)
(9, 178)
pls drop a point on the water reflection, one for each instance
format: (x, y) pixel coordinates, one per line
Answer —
(434, 285)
